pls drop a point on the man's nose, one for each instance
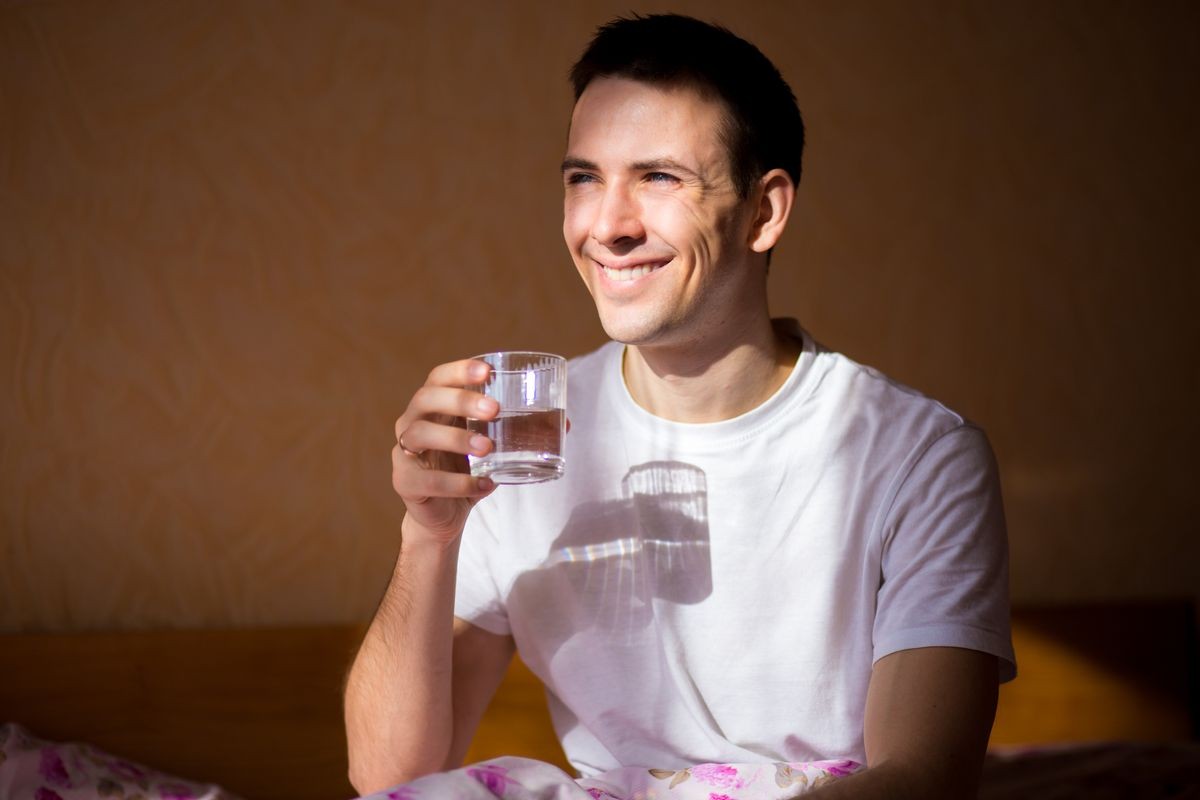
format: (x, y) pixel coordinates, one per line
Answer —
(619, 217)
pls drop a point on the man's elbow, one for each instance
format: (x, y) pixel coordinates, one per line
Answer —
(937, 778)
(376, 771)
(367, 780)
(907, 779)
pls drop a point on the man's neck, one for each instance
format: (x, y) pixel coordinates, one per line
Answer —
(703, 382)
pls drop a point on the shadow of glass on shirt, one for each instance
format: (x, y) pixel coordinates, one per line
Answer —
(616, 560)
(603, 599)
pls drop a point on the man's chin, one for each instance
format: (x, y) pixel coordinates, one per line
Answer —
(625, 334)
(632, 332)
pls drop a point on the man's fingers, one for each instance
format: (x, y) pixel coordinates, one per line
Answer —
(426, 461)
(467, 372)
(446, 401)
(443, 398)
(415, 484)
(423, 435)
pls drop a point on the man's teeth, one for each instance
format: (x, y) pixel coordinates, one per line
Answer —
(630, 273)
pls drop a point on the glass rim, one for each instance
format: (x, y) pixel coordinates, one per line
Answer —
(533, 353)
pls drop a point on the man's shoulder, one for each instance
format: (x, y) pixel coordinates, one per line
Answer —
(859, 393)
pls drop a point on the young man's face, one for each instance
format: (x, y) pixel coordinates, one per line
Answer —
(650, 213)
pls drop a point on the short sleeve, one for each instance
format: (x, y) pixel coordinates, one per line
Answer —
(477, 597)
(944, 555)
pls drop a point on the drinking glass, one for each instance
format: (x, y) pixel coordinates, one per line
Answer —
(531, 389)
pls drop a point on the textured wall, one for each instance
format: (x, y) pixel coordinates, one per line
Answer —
(235, 236)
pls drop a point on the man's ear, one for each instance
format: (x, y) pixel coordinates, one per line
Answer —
(776, 192)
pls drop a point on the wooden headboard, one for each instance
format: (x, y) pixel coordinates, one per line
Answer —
(259, 711)
(255, 711)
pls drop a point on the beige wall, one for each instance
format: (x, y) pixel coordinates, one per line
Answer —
(235, 236)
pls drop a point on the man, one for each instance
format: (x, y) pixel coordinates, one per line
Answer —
(761, 551)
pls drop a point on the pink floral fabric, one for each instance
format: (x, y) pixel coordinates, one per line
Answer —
(34, 769)
(526, 779)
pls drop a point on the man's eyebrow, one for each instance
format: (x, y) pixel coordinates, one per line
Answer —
(667, 164)
(570, 162)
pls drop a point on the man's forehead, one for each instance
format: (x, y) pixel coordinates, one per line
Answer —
(646, 124)
(617, 88)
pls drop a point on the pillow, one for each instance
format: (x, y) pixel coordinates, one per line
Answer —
(33, 769)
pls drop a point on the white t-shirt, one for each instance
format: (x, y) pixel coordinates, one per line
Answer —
(718, 592)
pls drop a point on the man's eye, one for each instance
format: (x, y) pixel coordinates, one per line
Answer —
(661, 177)
(576, 178)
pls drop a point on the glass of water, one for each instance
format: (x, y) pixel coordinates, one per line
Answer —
(531, 389)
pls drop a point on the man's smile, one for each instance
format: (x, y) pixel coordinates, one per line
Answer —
(622, 272)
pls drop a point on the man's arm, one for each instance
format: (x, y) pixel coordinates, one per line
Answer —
(421, 679)
(928, 717)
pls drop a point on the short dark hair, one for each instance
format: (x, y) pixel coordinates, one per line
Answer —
(763, 129)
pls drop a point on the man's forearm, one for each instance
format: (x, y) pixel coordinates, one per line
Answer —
(929, 711)
(399, 721)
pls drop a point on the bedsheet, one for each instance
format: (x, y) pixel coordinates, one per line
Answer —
(35, 769)
(526, 779)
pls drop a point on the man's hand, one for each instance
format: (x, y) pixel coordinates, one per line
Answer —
(429, 465)
(928, 717)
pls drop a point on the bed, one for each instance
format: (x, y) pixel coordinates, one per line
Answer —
(1106, 699)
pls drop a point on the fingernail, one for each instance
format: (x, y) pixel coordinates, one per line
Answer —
(485, 484)
(479, 443)
(479, 370)
(487, 405)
